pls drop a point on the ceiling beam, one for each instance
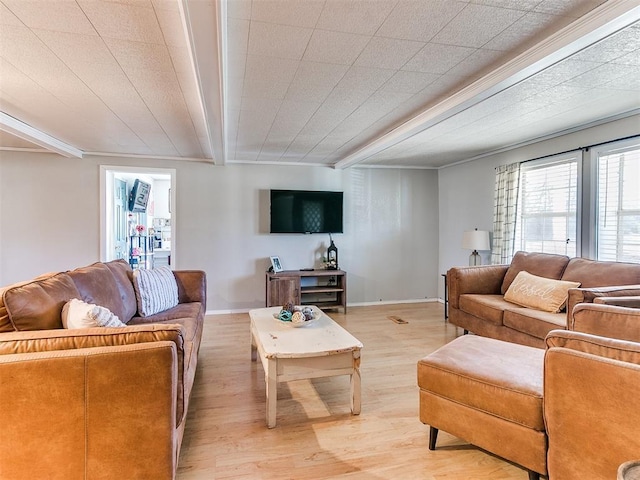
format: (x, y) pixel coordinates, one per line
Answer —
(587, 30)
(26, 132)
(205, 25)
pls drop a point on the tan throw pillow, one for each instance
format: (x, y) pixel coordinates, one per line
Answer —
(79, 314)
(538, 292)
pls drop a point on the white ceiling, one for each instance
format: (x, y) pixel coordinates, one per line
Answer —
(421, 83)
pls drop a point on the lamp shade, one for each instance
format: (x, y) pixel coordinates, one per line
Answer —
(475, 240)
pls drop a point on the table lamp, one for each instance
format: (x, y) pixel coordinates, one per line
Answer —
(475, 240)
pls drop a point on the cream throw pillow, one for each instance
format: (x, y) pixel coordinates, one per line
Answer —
(156, 290)
(538, 292)
(79, 314)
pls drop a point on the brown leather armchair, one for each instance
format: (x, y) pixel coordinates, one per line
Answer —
(591, 405)
(570, 412)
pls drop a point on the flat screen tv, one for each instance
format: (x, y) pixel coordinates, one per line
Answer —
(139, 196)
(301, 211)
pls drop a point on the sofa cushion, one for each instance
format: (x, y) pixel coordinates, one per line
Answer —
(79, 314)
(123, 275)
(533, 322)
(541, 264)
(37, 305)
(156, 290)
(183, 314)
(97, 284)
(192, 334)
(539, 293)
(592, 273)
(486, 307)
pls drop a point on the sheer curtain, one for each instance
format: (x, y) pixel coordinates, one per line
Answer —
(504, 213)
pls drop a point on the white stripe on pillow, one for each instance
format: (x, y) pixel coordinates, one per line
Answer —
(156, 290)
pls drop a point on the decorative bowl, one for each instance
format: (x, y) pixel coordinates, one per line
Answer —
(293, 319)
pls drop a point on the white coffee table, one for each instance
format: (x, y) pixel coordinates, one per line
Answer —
(321, 348)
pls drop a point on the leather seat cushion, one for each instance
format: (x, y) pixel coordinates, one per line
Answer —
(487, 307)
(190, 319)
(499, 378)
(533, 322)
(177, 314)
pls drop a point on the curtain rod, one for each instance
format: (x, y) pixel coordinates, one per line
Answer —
(585, 148)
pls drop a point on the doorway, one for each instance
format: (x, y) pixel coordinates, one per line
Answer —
(137, 221)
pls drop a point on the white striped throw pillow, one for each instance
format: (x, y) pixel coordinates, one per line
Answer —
(156, 290)
(79, 314)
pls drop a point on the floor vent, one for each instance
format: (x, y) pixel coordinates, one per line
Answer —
(393, 318)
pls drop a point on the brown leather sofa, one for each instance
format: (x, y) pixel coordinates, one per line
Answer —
(569, 412)
(97, 403)
(477, 304)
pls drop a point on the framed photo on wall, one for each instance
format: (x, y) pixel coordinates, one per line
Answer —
(275, 263)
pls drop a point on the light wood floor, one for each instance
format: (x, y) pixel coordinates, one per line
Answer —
(316, 436)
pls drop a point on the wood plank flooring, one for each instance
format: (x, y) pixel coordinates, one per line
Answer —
(316, 436)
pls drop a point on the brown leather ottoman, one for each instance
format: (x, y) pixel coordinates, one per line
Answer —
(489, 393)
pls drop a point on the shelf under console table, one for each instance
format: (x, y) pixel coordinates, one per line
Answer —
(323, 288)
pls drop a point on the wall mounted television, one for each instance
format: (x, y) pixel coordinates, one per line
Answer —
(302, 211)
(139, 196)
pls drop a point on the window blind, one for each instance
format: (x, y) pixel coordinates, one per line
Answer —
(618, 232)
(546, 219)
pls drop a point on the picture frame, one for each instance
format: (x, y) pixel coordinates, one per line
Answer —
(276, 264)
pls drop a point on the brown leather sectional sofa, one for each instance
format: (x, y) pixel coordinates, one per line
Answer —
(98, 403)
(567, 412)
(477, 304)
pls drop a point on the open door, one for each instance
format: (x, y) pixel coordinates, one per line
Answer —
(138, 235)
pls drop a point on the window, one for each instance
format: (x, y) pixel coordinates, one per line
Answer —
(618, 210)
(546, 219)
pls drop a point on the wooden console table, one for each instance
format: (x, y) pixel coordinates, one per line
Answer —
(324, 288)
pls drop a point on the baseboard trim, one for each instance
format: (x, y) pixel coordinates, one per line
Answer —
(392, 302)
(358, 304)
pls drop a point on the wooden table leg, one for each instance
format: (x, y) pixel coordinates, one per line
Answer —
(355, 384)
(271, 381)
(254, 349)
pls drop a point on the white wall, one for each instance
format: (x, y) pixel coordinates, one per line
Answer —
(50, 211)
(465, 191)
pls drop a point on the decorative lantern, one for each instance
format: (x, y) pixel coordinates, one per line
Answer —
(332, 255)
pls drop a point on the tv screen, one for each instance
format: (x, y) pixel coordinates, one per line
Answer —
(300, 211)
(139, 196)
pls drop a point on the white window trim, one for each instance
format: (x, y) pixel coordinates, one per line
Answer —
(578, 154)
(595, 152)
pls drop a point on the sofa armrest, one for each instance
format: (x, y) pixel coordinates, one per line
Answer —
(605, 347)
(631, 302)
(607, 321)
(590, 404)
(485, 279)
(73, 339)
(109, 409)
(62, 339)
(588, 295)
(192, 286)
